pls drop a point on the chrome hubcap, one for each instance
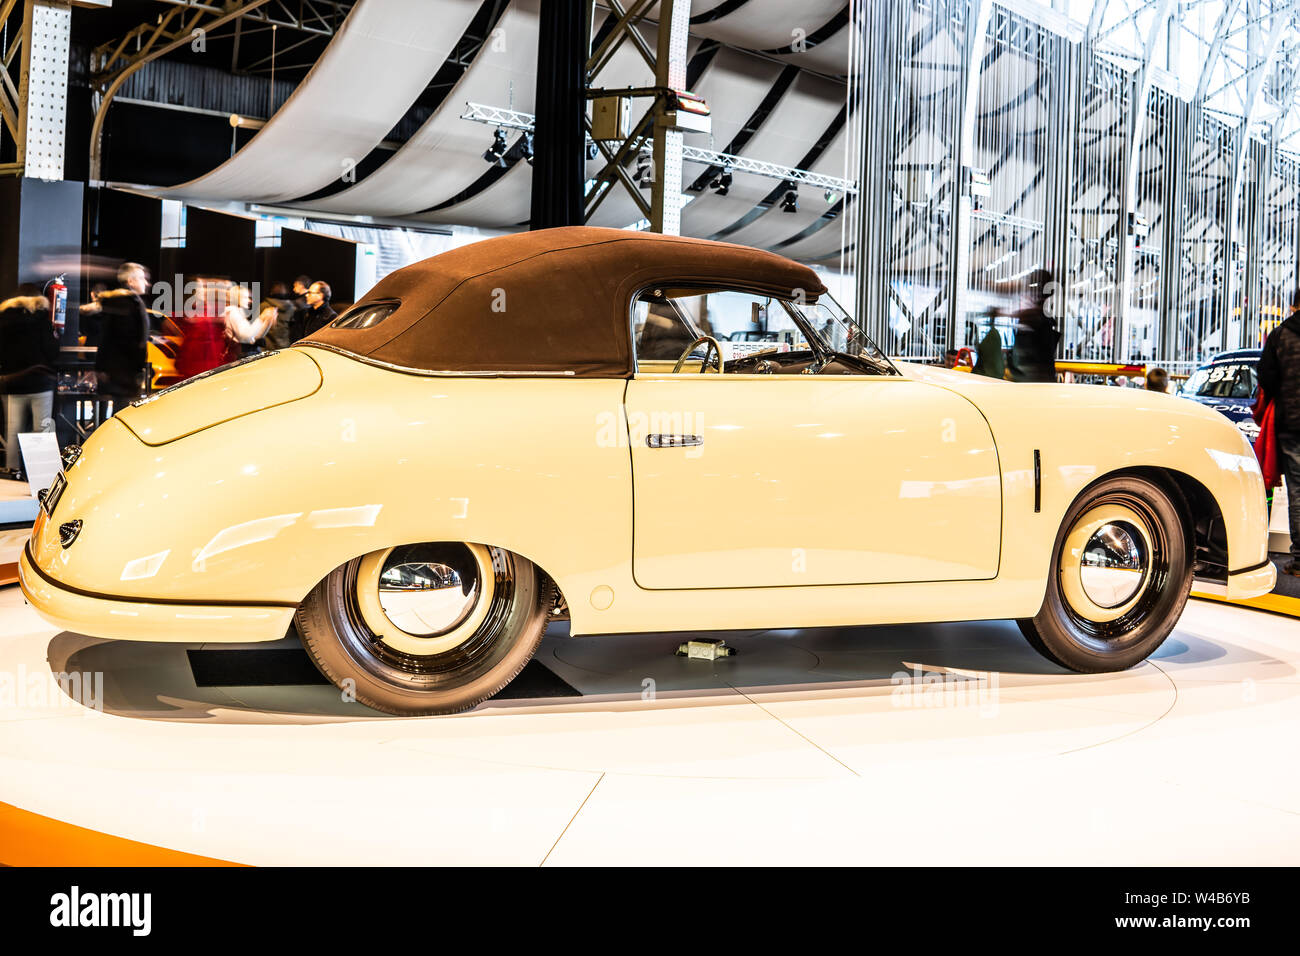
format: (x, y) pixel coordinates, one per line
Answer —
(425, 599)
(1106, 563)
(427, 590)
(1113, 564)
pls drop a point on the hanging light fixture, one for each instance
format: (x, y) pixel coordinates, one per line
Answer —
(790, 198)
(722, 184)
(496, 153)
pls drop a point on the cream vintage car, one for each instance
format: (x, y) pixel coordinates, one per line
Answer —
(547, 424)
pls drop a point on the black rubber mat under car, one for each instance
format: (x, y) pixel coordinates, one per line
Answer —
(276, 667)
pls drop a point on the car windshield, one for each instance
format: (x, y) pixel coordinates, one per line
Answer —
(665, 321)
(1223, 380)
(831, 325)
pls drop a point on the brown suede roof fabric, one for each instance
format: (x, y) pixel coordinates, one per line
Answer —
(550, 301)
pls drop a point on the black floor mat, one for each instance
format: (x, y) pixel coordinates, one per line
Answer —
(276, 667)
(537, 681)
(269, 668)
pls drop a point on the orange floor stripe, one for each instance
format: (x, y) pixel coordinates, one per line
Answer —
(1276, 603)
(8, 574)
(29, 839)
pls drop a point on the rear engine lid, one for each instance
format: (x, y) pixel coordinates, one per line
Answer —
(259, 382)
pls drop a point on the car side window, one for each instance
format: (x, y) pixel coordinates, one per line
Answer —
(665, 321)
(659, 328)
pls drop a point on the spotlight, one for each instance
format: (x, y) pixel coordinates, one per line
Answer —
(723, 183)
(496, 153)
(645, 171)
(592, 151)
(790, 198)
(525, 147)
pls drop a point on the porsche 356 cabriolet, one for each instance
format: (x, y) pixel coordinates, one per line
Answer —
(551, 424)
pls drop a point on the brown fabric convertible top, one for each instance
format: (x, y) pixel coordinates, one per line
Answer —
(550, 301)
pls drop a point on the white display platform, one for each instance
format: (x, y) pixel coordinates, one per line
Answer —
(802, 749)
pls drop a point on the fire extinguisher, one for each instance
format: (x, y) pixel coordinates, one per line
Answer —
(58, 305)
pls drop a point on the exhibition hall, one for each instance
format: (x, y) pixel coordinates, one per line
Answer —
(694, 433)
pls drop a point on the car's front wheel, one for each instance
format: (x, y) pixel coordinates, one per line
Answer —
(1121, 573)
(430, 628)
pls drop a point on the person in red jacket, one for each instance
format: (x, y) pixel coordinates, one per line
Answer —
(1279, 376)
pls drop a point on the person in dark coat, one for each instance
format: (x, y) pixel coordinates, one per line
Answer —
(299, 308)
(122, 355)
(318, 314)
(88, 321)
(991, 362)
(277, 336)
(1033, 352)
(28, 353)
(1279, 377)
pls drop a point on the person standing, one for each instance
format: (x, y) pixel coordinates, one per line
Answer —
(242, 330)
(89, 315)
(991, 363)
(1033, 352)
(318, 314)
(1279, 377)
(122, 355)
(28, 353)
(1157, 380)
(300, 287)
(277, 334)
(300, 307)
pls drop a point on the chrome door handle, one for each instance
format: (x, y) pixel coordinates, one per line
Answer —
(674, 441)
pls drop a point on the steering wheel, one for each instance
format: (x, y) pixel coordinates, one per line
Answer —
(704, 362)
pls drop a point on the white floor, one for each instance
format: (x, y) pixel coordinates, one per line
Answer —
(804, 748)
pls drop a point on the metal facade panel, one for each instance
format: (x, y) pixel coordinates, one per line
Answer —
(43, 90)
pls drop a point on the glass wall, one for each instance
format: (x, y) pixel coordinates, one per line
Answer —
(1146, 154)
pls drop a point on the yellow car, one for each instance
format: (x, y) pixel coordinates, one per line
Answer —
(546, 424)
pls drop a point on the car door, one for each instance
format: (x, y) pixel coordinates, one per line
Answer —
(779, 480)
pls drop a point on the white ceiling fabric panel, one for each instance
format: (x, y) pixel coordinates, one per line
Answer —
(374, 68)
(769, 24)
(733, 84)
(776, 226)
(506, 203)
(831, 56)
(446, 154)
(826, 241)
(802, 115)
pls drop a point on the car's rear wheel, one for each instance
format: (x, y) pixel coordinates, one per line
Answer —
(430, 628)
(1121, 572)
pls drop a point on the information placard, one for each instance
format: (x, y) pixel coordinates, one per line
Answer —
(40, 451)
